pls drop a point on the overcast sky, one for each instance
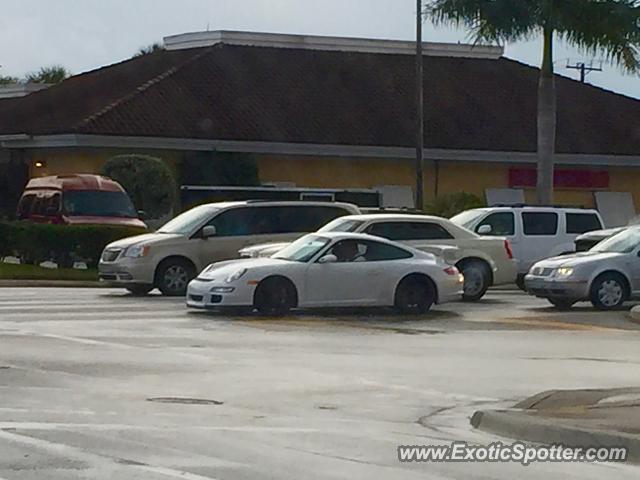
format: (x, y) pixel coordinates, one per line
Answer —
(87, 34)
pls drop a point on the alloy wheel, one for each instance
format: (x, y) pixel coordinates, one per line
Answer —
(610, 293)
(176, 278)
(473, 281)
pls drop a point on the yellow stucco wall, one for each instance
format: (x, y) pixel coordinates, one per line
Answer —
(341, 172)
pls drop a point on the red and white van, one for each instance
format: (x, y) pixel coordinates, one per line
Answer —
(77, 200)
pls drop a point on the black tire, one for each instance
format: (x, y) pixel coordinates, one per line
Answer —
(414, 296)
(520, 282)
(173, 276)
(477, 279)
(609, 291)
(139, 290)
(275, 296)
(561, 303)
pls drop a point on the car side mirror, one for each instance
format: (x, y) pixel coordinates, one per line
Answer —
(485, 229)
(209, 231)
(142, 215)
(328, 259)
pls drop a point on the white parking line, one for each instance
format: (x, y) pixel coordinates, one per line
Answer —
(92, 458)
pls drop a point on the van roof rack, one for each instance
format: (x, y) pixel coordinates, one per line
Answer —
(522, 205)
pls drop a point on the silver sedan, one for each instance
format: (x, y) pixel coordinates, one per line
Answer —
(607, 275)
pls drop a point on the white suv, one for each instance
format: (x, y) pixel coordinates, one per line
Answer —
(535, 232)
(178, 251)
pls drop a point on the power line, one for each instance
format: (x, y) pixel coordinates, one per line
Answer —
(584, 69)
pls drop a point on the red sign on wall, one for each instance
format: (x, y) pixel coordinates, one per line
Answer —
(563, 178)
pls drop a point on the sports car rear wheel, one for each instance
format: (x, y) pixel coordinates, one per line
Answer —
(414, 296)
(275, 296)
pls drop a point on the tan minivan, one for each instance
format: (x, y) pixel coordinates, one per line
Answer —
(171, 257)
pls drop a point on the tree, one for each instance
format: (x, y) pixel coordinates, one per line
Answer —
(154, 47)
(219, 168)
(451, 204)
(610, 27)
(148, 181)
(53, 74)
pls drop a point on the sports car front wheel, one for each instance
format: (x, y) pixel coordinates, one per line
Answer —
(275, 296)
(414, 296)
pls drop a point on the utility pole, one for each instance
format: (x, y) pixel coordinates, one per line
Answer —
(584, 69)
(419, 111)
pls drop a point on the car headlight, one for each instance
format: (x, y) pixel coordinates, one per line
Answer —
(236, 275)
(564, 272)
(137, 251)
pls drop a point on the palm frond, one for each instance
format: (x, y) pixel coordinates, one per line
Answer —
(489, 20)
(608, 27)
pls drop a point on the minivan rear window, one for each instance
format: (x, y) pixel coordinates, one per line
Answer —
(90, 203)
(582, 222)
(258, 220)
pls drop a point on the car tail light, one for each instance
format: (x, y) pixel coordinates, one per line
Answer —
(507, 247)
(451, 271)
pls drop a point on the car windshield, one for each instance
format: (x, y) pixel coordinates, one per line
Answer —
(303, 249)
(89, 203)
(187, 222)
(468, 218)
(624, 242)
(342, 225)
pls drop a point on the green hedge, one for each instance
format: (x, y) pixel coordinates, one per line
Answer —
(34, 243)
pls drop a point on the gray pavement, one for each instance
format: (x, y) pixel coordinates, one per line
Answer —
(97, 384)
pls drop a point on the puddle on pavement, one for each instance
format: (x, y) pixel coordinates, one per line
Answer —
(581, 359)
(185, 401)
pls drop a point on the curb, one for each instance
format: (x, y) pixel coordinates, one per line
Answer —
(634, 314)
(518, 425)
(51, 284)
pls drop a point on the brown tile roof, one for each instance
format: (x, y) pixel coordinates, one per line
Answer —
(230, 92)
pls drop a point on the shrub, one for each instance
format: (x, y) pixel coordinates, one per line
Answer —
(35, 243)
(451, 204)
(148, 181)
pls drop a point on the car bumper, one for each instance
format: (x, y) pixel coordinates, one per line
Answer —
(450, 290)
(505, 273)
(201, 296)
(126, 272)
(546, 287)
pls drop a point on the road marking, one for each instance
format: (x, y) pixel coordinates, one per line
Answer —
(429, 392)
(94, 459)
(85, 341)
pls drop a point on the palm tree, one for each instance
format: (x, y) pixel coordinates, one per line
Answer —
(53, 74)
(609, 27)
(149, 49)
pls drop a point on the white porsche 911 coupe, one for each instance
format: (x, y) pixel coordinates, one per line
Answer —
(331, 269)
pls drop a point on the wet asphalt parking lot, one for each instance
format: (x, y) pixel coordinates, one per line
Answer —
(98, 384)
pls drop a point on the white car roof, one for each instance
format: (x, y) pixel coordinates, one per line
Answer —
(394, 216)
(354, 236)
